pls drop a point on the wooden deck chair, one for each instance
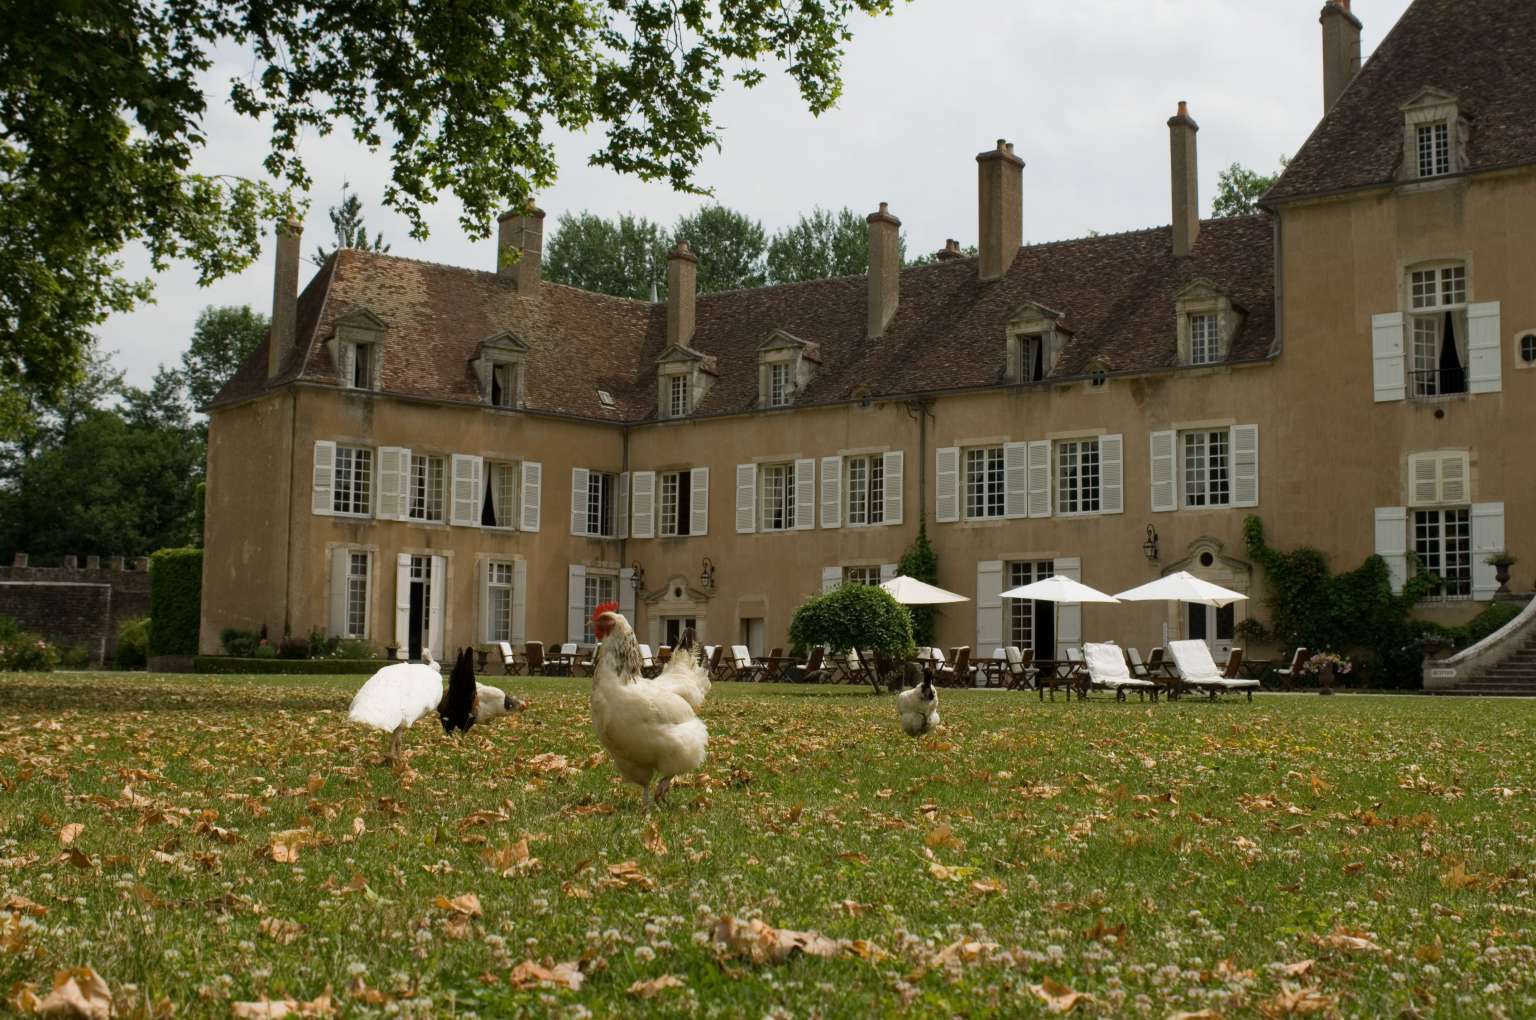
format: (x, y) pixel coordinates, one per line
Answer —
(533, 655)
(509, 664)
(1289, 674)
(741, 666)
(1137, 667)
(714, 661)
(1108, 671)
(1020, 675)
(1198, 670)
(958, 672)
(1234, 667)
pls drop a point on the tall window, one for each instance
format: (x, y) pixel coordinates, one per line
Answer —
(357, 366)
(778, 384)
(504, 384)
(1443, 541)
(866, 490)
(678, 393)
(499, 507)
(498, 601)
(600, 588)
(1031, 358)
(676, 502)
(861, 575)
(354, 480)
(426, 487)
(1077, 476)
(1204, 341)
(778, 496)
(984, 484)
(600, 503)
(357, 595)
(1023, 631)
(1207, 469)
(1437, 300)
(1434, 149)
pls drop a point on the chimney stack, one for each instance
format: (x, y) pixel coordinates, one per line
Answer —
(285, 296)
(1185, 173)
(522, 233)
(949, 252)
(1000, 209)
(682, 280)
(1341, 49)
(884, 269)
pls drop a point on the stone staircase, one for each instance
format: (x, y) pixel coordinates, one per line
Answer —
(1502, 664)
(1516, 675)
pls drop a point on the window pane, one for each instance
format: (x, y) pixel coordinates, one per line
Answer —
(669, 489)
(858, 490)
(1203, 345)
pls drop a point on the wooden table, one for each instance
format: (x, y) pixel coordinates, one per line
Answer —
(1065, 670)
(992, 670)
(1254, 669)
(773, 666)
(562, 663)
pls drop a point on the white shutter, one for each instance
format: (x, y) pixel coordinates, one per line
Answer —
(621, 513)
(895, 486)
(348, 363)
(989, 604)
(1069, 615)
(805, 494)
(1387, 356)
(946, 491)
(533, 474)
(1111, 474)
(580, 481)
(576, 603)
(1244, 440)
(1016, 479)
(483, 596)
(1040, 478)
(1392, 542)
(746, 498)
(340, 561)
(1455, 466)
(887, 571)
(1483, 348)
(519, 602)
(403, 605)
(467, 490)
(831, 492)
(1162, 460)
(1424, 479)
(325, 476)
(644, 497)
(394, 473)
(1487, 537)
(831, 577)
(627, 596)
(439, 584)
(698, 502)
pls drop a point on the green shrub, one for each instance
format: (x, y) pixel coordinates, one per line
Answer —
(75, 657)
(27, 653)
(293, 648)
(861, 616)
(132, 644)
(264, 651)
(237, 642)
(175, 601)
(10, 630)
(225, 665)
(354, 648)
(1496, 615)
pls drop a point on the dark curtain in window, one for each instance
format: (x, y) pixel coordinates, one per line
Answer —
(1453, 379)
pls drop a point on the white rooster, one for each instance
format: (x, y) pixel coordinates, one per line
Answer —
(398, 695)
(919, 707)
(648, 726)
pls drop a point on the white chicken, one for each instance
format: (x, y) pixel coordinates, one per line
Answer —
(647, 726)
(398, 695)
(918, 707)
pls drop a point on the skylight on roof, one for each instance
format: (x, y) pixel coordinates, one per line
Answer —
(605, 398)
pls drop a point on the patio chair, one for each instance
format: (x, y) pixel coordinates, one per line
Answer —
(1133, 662)
(741, 666)
(1289, 674)
(1019, 674)
(956, 673)
(569, 650)
(647, 661)
(1108, 671)
(1198, 670)
(509, 664)
(533, 656)
(1234, 667)
(812, 671)
(1158, 671)
(714, 661)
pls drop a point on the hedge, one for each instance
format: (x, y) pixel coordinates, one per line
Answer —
(175, 601)
(227, 664)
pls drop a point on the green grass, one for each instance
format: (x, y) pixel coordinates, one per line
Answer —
(1159, 858)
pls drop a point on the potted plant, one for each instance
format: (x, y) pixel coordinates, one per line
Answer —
(1501, 561)
(1327, 667)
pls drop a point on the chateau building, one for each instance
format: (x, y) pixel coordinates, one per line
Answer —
(432, 455)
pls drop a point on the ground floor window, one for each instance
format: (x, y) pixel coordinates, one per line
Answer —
(673, 628)
(600, 588)
(1442, 539)
(357, 595)
(498, 596)
(1031, 624)
(861, 575)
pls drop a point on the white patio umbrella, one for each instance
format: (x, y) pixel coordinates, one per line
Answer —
(909, 591)
(1182, 587)
(1058, 589)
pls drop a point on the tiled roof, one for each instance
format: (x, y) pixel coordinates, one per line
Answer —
(1115, 293)
(1477, 50)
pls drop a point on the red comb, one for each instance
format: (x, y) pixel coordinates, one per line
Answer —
(606, 607)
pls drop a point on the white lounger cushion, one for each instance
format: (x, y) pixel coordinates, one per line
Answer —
(1197, 667)
(1106, 667)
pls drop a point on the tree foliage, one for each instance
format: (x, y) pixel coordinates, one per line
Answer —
(222, 339)
(820, 245)
(730, 246)
(624, 257)
(1238, 189)
(348, 226)
(102, 108)
(919, 561)
(862, 616)
(969, 251)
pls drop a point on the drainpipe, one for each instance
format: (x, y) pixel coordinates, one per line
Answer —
(922, 410)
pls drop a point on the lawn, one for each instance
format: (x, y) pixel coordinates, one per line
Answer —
(204, 843)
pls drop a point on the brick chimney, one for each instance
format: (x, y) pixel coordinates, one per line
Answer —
(520, 248)
(884, 269)
(1341, 49)
(682, 281)
(1185, 173)
(949, 252)
(285, 295)
(999, 209)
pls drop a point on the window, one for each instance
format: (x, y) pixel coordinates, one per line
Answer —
(1030, 622)
(678, 393)
(1442, 539)
(1207, 469)
(498, 601)
(1032, 358)
(357, 595)
(777, 486)
(984, 488)
(778, 384)
(426, 488)
(1437, 300)
(866, 490)
(676, 502)
(499, 507)
(606, 399)
(600, 503)
(1528, 348)
(357, 366)
(504, 384)
(1204, 340)
(354, 480)
(861, 575)
(1077, 476)
(600, 588)
(1434, 149)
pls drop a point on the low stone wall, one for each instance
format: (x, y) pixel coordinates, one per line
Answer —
(76, 606)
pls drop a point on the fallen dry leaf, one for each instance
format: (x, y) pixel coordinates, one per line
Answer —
(467, 905)
(1058, 998)
(628, 873)
(1297, 969)
(17, 904)
(652, 841)
(762, 943)
(280, 931)
(75, 857)
(654, 987)
(77, 992)
(69, 833)
(530, 975)
(272, 1009)
(1296, 1002)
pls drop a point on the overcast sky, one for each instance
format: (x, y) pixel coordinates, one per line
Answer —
(1083, 89)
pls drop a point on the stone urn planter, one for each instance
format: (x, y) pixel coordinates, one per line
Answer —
(1325, 679)
(1501, 562)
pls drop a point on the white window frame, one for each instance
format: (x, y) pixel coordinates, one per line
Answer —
(599, 587)
(679, 396)
(989, 492)
(602, 507)
(1434, 148)
(359, 588)
(1433, 538)
(865, 484)
(776, 496)
(781, 381)
(1079, 477)
(352, 485)
(508, 377)
(1207, 477)
(359, 361)
(500, 583)
(870, 575)
(674, 521)
(1204, 338)
(425, 496)
(1021, 612)
(502, 475)
(1433, 292)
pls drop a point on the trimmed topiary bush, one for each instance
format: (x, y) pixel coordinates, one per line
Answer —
(860, 616)
(132, 644)
(175, 601)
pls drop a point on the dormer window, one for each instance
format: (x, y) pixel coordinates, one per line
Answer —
(1434, 149)
(499, 368)
(785, 366)
(779, 386)
(504, 385)
(683, 377)
(678, 391)
(1032, 355)
(1035, 342)
(1434, 136)
(357, 365)
(355, 345)
(1204, 339)
(1207, 321)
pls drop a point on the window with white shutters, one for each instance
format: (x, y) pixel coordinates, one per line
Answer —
(1077, 476)
(861, 575)
(1437, 330)
(357, 594)
(676, 503)
(866, 490)
(776, 494)
(1206, 468)
(353, 481)
(498, 507)
(1439, 477)
(984, 483)
(1442, 540)
(601, 490)
(1023, 614)
(426, 488)
(498, 601)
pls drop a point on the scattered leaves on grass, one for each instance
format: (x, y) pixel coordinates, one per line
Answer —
(761, 943)
(654, 987)
(529, 974)
(280, 931)
(273, 1009)
(1057, 997)
(651, 839)
(465, 905)
(77, 992)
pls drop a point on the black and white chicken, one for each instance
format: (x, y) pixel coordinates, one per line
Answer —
(919, 707)
(398, 695)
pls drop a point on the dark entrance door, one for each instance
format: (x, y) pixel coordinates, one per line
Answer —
(418, 618)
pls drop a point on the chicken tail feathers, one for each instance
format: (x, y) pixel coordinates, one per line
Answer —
(459, 707)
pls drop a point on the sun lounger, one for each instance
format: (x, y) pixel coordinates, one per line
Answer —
(1107, 671)
(1197, 669)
